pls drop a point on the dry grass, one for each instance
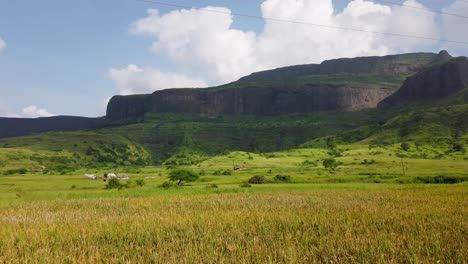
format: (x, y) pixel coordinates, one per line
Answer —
(416, 224)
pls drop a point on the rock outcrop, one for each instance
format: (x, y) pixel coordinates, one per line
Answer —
(335, 85)
(434, 83)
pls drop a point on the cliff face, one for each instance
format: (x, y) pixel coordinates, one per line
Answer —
(436, 82)
(250, 101)
(391, 66)
(336, 85)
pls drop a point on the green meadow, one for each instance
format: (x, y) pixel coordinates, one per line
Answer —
(379, 205)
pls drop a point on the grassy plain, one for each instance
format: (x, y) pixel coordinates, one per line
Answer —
(376, 208)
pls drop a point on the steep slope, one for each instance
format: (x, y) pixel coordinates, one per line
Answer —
(390, 66)
(434, 83)
(336, 85)
(166, 135)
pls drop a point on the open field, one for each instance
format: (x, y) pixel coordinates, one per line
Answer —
(375, 208)
(347, 223)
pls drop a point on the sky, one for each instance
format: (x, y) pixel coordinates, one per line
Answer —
(63, 57)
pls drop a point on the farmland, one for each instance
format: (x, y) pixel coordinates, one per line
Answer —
(376, 207)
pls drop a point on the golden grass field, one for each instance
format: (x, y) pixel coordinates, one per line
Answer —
(329, 223)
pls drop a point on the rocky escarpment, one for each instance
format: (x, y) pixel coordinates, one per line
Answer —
(249, 101)
(396, 66)
(336, 85)
(436, 82)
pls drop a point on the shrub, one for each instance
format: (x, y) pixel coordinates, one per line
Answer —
(227, 172)
(440, 179)
(366, 162)
(212, 186)
(405, 146)
(257, 179)
(282, 178)
(245, 185)
(166, 185)
(114, 184)
(309, 163)
(140, 182)
(15, 171)
(458, 147)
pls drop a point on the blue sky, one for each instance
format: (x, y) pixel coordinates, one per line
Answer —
(68, 57)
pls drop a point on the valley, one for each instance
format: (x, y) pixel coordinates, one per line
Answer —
(358, 160)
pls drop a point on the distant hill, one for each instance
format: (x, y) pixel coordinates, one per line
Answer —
(14, 127)
(266, 112)
(336, 85)
(434, 83)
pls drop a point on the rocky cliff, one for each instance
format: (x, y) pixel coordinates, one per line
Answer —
(335, 85)
(433, 83)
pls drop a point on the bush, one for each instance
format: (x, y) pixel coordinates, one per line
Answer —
(245, 185)
(257, 179)
(114, 184)
(16, 171)
(309, 163)
(140, 182)
(212, 186)
(405, 146)
(366, 162)
(166, 185)
(282, 178)
(440, 179)
(227, 172)
(458, 147)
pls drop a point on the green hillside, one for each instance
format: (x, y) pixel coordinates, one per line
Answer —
(439, 132)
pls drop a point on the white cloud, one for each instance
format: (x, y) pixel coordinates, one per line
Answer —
(2, 44)
(33, 111)
(454, 27)
(135, 80)
(5, 110)
(204, 44)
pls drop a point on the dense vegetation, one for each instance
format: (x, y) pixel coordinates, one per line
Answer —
(387, 185)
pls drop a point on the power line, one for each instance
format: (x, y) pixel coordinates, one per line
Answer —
(422, 8)
(304, 23)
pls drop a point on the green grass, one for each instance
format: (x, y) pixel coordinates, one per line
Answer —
(352, 223)
(377, 207)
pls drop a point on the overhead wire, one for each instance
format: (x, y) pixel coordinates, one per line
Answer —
(303, 22)
(422, 8)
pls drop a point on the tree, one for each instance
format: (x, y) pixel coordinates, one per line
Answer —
(458, 147)
(405, 146)
(331, 144)
(183, 175)
(331, 164)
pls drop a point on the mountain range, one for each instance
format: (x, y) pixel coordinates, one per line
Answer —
(416, 97)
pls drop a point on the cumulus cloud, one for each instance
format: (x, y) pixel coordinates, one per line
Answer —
(2, 44)
(205, 44)
(33, 111)
(454, 27)
(136, 80)
(5, 110)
